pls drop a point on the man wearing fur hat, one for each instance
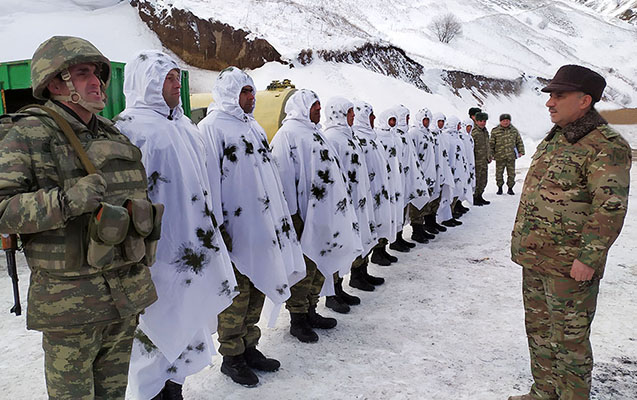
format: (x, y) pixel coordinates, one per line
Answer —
(482, 156)
(572, 209)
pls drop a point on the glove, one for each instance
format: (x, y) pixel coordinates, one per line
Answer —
(85, 196)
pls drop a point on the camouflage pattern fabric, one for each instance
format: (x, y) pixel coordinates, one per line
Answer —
(37, 167)
(482, 156)
(504, 141)
(508, 165)
(574, 199)
(237, 324)
(89, 362)
(558, 316)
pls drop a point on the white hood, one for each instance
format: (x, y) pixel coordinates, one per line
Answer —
(226, 92)
(335, 110)
(144, 78)
(382, 122)
(298, 107)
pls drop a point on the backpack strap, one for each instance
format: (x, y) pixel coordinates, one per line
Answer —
(69, 133)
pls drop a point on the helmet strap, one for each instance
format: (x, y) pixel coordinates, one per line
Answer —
(75, 98)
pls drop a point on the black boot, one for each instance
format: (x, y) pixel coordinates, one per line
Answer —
(409, 245)
(430, 225)
(477, 201)
(499, 190)
(256, 360)
(300, 328)
(170, 391)
(237, 369)
(357, 280)
(336, 304)
(451, 223)
(484, 202)
(316, 320)
(419, 234)
(510, 191)
(379, 258)
(374, 280)
(388, 256)
(346, 297)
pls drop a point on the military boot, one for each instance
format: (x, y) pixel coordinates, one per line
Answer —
(419, 234)
(336, 304)
(399, 237)
(484, 202)
(451, 222)
(256, 360)
(388, 256)
(300, 328)
(379, 258)
(170, 391)
(522, 397)
(374, 280)
(357, 280)
(430, 225)
(499, 190)
(477, 201)
(510, 191)
(346, 297)
(237, 369)
(318, 321)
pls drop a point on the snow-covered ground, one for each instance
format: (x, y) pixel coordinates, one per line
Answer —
(447, 324)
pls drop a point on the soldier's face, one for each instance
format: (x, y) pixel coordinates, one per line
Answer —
(425, 122)
(85, 80)
(469, 127)
(372, 118)
(566, 107)
(315, 112)
(505, 123)
(392, 122)
(246, 99)
(441, 123)
(350, 117)
(481, 124)
(172, 88)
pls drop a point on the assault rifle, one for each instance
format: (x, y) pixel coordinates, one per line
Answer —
(10, 245)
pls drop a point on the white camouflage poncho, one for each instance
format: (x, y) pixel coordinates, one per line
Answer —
(425, 148)
(390, 142)
(469, 153)
(314, 188)
(255, 213)
(459, 163)
(193, 274)
(354, 165)
(448, 185)
(379, 172)
(415, 188)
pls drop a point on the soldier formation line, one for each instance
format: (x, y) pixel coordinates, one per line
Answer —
(149, 218)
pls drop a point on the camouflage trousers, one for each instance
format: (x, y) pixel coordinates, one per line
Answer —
(418, 216)
(500, 166)
(89, 362)
(305, 293)
(482, 172)
(558, 316)
(237, 325)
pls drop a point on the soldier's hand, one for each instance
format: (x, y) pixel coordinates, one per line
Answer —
(581, 272)
(85, 195)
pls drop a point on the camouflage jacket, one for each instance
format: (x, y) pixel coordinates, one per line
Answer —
(574, 199)
(504, 142)
(481, 150)
(36, 166)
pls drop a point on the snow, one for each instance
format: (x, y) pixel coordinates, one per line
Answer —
(449, 321)
(447, 324)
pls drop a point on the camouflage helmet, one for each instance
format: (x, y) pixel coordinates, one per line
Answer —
(59, 53)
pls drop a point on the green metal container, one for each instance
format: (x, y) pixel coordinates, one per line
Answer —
(15, 88)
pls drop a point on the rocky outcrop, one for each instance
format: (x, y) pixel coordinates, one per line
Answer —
(383, 59)
(205, 44)
(481, 86)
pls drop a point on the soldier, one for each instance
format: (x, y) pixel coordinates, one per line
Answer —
(257, 225)
(447, 162)
(322, 210)
(505, 145)
(482, 156)
(473, 111)
(571, 211)
(89, 264)
(192, 268)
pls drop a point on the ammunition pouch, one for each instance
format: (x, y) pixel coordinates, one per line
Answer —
(107, 228)
(152, 239)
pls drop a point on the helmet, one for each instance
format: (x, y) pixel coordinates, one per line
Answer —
(59, 53)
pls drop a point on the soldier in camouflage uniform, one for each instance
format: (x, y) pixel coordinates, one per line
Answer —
(482, 156)
(89, 280)
(506, 145)
(571, 211)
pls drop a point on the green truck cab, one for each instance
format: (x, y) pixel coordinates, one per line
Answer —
(15, 88)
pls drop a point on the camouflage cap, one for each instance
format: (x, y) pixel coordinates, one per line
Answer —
(59, 53)
(505, 116)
